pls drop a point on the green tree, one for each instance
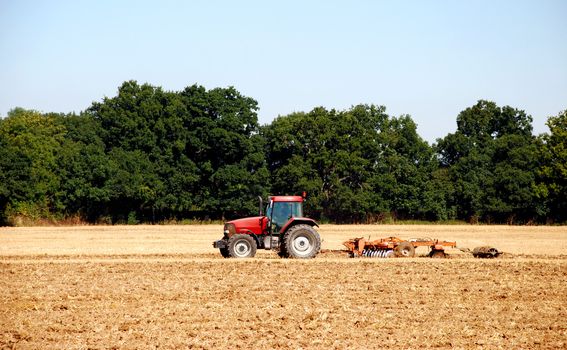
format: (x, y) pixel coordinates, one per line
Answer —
(83, 168)
(355, 164)
(30, 144)
(323, 153)
(552, 173)
(405, 171)
(491, 160)
(227, 150)
(177, 153)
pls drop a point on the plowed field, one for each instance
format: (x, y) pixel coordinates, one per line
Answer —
(165, 287)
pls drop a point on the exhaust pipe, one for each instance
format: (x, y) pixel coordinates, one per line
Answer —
(261, 209)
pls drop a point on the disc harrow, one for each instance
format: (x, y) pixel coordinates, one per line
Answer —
(395, 247)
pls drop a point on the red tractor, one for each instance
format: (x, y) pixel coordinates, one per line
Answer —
(283, 228)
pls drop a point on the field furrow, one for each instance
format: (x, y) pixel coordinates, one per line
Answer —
(107, 297)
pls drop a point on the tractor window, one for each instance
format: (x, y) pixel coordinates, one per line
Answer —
(268, 211)
(296, 210)
(283, 211)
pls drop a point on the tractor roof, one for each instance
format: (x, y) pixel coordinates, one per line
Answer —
(287, 198)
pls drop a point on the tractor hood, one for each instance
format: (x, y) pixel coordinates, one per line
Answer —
(255, 224)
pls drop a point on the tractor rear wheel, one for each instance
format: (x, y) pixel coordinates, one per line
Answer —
(405, 250)
(283, 253)
(241, 246)
(301, 242)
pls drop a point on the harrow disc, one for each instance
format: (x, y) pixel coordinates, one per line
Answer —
(378, 253)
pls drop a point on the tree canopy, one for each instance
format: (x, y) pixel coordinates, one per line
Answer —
(491, 160)
(356, 164)
(148, 155)
(552, 172)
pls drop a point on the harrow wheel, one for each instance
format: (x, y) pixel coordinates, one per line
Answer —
(241, 246)
(437, 254)
(302, 242)
(493, 253)
(404, 250)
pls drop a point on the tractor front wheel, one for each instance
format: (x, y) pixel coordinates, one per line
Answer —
(241, 246)
(302, 242)
(224, 252)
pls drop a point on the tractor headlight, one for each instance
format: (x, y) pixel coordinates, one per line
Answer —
(229, 229)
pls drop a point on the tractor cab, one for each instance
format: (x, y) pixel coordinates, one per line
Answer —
(281, 209)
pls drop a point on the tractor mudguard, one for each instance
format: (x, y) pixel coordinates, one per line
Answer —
(294, 221)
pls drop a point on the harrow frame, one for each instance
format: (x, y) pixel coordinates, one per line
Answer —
(395, 246)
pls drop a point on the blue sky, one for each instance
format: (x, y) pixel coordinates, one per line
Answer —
(429, 59)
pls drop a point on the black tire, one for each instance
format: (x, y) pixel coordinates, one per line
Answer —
(283, 253)
(404, 250)
(437, 254)
(493, 253)
(301, 242)
(224, 252)
(241, 246)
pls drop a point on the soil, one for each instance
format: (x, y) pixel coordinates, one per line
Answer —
(162, 287)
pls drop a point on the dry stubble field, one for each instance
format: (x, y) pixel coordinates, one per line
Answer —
(125, 287)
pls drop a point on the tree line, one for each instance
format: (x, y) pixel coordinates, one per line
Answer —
(149, 155)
